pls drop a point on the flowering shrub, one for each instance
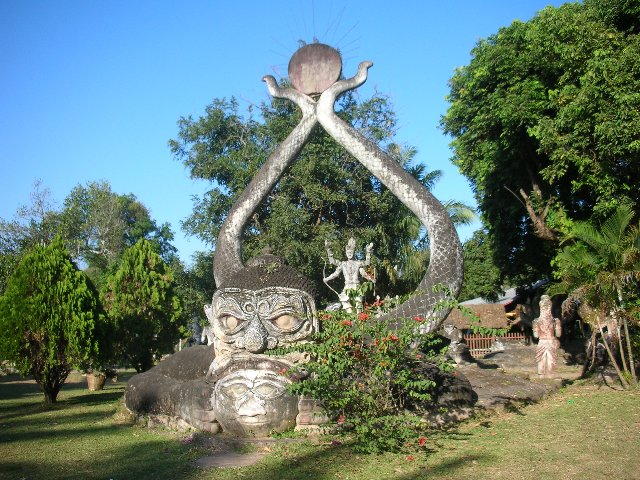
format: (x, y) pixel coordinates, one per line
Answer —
(369, 377)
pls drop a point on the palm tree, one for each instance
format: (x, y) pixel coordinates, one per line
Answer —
(601, 269)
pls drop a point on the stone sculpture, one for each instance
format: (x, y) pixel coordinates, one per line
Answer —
(351, 269)
(314, 71)
(231, 385)
(458, 350)
(251, 398)
(547, 329)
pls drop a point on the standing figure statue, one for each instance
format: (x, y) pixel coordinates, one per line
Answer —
(351, 270)
(547, 329)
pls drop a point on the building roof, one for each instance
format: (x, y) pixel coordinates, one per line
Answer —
(492, 314)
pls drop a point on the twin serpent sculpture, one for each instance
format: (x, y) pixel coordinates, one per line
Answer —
(233, 386)
(445, 263)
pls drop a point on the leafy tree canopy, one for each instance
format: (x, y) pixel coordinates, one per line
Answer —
(142, 303)
(47, 316)
(545, 122)
(33, 224)
(325, 194)
(481, 276)
(96, 224)
(99, 225)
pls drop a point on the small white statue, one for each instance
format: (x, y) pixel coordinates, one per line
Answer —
(351, 270)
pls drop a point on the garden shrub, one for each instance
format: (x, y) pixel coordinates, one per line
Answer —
(371, 377)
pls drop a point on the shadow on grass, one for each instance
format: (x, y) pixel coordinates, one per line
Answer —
(321, 462)
(20, 397)
(37, 431)
(14, 386)
(152, 459)
(76, 439)
(506, 404)
(93, 398)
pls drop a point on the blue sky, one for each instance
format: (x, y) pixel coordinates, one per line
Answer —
(93, 90)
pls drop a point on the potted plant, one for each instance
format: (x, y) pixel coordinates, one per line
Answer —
(96, 379)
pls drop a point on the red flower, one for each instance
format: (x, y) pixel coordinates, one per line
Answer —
(418, 319)
(410, 458)
(393, 337)
(341, 419)
(422, 441)
(347, 323)
(282, 371)
(363, 316)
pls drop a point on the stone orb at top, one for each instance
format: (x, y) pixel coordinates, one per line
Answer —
(314, 68)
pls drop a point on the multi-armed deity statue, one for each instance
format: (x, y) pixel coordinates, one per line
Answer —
(232, 385)
(351, 269)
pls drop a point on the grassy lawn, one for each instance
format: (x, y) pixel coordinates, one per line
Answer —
(583, 432)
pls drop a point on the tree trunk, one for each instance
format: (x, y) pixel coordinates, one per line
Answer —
(50, 397)
(589, 365)
(629, 350)
(539, 218)
(623, 381)
(624, 361)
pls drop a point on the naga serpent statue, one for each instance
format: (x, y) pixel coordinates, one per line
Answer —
(233, 385)
(314, 71)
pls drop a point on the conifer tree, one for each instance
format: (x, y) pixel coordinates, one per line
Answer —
(143, 306)
(48, 315)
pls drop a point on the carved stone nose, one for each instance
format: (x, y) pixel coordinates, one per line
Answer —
(255, 338)
(250, 407)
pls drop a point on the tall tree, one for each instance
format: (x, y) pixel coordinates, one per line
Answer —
(545, 122)
(96, 223)
(34, 224)
(48, 314)
(482, 277)
(325, 194)
(100, 224)
(141, 301)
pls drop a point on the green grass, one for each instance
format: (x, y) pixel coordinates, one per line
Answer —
(581, 432)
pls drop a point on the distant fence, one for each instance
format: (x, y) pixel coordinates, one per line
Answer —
(480, 345)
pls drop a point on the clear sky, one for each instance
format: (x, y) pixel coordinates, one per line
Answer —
(93, 90)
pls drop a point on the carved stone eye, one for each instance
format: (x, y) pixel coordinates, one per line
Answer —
(286, 322)
(229, 322)
(236, 390)
(268, 390)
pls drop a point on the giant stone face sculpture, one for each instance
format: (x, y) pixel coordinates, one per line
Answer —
(257, 320)
(267, 304)
(251, 397)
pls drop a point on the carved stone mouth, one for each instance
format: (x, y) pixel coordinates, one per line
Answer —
(257, 420)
